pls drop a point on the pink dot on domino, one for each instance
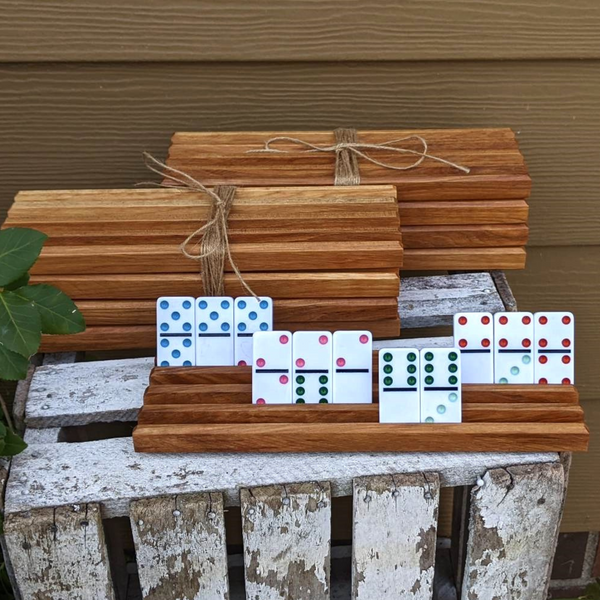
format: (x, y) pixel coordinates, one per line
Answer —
(242, 363)
(260, 362)
(300, 362)
(261, 401)
(364, 339)
(340, 362)
(323, 340)
(283, 379)
(284, 339)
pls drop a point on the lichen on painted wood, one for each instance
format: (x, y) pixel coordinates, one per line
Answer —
(515, 514)
(59, 553)
(287, 541)
(394, 536)
(180, 547)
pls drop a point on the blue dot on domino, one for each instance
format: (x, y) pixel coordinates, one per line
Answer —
(202, 304)
(203, 326)
(187, 343)
(187, 326)
(214, 315)
(264, 304)
(175, 354)
(242, 326)
(225, 326)
(187, 304)
(264, 327)
(187, 363)
(225, 304)
(175, 316)
(253, 316)
(164, 327)
(164, 304)
(242, 304)
(164, 343)
(164, 363)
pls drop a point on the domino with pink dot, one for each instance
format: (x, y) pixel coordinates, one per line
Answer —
(250, 315)
(554, 347)
(272, 367)
(474, 337)
(312, 355)
(352, 367)
(175, 326)
(513, 347)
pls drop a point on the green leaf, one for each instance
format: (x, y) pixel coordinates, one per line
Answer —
(20, 324)
(19, 249)
(57, 311)
(13, 444)
(13, 366)
(17, 283)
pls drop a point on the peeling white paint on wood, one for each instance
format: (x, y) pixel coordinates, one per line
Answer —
(59, 553)
(394, 536)
(180, 547)
(287, 541)
(110, 472)
(514, 518)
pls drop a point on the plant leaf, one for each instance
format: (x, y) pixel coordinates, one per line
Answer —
(19, 249)
(58, 312)
(17, 283)
(20, 324)
(13, 444)
(13, 366)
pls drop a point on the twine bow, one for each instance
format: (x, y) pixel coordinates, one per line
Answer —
(348, 150)
(214, 246)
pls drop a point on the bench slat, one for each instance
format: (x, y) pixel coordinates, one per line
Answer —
(286, 531)
(394, 536)
(180, 547)
(514, 518)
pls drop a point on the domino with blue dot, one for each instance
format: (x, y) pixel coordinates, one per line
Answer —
(214, 331)
(250, 315)
(175, 326)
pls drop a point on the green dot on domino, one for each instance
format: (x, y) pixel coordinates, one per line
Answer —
(428, 355)
(388, 369)
(323, 401)
(411, 357)
(388, 357)
(388, 380)
(323, 391)
(412, 381)
(452, 356)
(300, 379)
(300, 401)
(429, 380)
(452, 368)
(453, 380)
(300, 391)
(429, 368)
(322, 379)
(411, 369)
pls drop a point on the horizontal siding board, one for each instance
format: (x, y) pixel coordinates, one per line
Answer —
(236, 30)
(86, 125)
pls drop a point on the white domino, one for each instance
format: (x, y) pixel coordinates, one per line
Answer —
(272, 368)
(441, 399)
(352, 367)
(399, 386)
(474, 337)
(175, 343)
(554, 347)
(513, 347)
(250, 315)
(214, 331)
(312, 356)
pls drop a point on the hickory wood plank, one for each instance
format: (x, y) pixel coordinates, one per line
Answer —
(112, 473)
(515, 515)
(171, 413)
(464, 236)
(60, 552)
(180, 546)
(286, 531)
(393, 555)
(362, 437)
(297, 285)
(464, 258)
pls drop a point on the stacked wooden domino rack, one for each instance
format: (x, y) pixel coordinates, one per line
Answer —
(209, 409)
(328, 256)
(449, 219)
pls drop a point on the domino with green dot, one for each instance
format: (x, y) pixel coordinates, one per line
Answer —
(399, 385)
(312, 378)
(440, 370)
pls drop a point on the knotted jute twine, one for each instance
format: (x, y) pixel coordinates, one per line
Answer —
(214, 245)
(348, 150)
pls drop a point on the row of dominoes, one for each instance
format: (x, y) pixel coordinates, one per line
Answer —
(516, 347)
(420, 386)
(209, 331)
(312, 367)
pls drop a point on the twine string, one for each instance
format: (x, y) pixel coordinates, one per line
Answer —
(214, 245)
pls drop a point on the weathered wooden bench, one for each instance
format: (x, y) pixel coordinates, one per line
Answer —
(69, 505)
